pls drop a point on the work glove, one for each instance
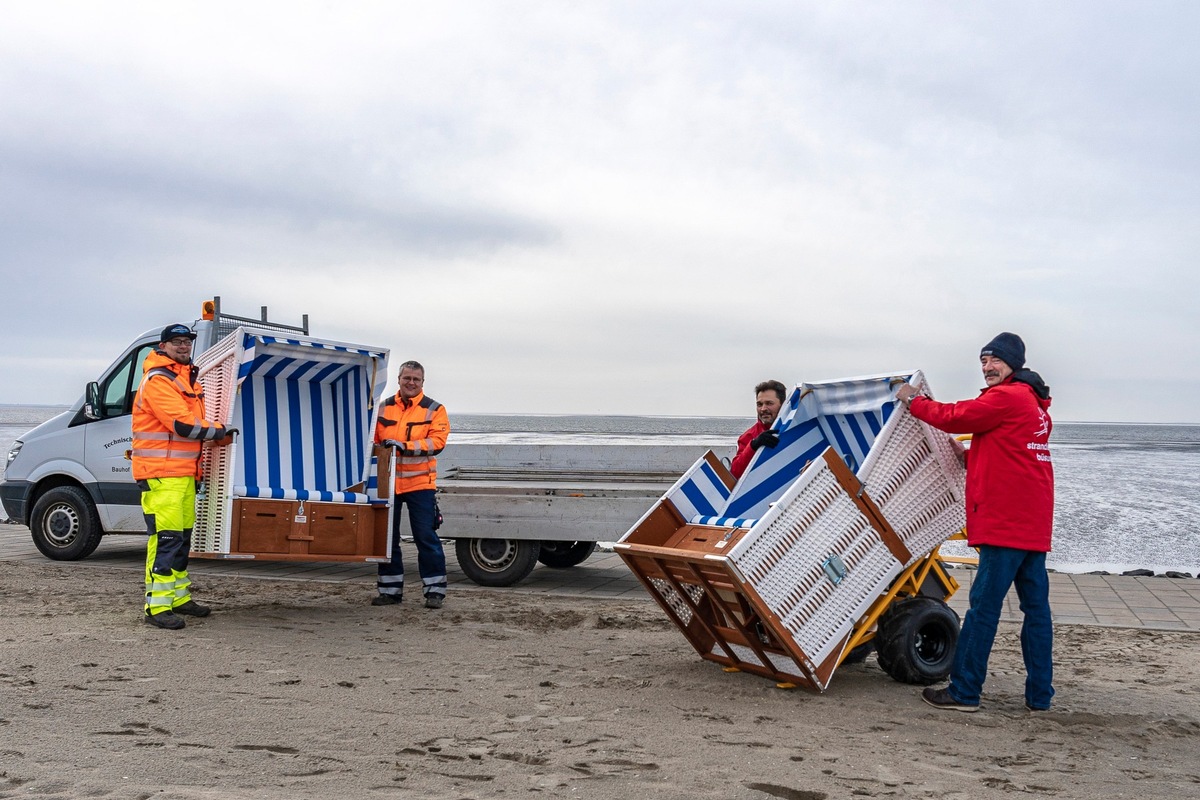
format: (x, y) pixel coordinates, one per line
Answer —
(227, 439)
(765, 439)
(392, 443)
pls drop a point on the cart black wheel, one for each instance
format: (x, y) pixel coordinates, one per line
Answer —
(65, 525)
(561, 555)
(496, 562)
(916, 640)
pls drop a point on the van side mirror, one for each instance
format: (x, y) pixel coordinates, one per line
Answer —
(91, 405)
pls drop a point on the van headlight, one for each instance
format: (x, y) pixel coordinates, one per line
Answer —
(12, 453)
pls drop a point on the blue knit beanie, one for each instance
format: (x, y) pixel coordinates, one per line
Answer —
(1007, 347)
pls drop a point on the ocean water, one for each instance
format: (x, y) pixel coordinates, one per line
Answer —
(1127, 495)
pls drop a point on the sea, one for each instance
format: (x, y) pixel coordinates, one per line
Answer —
(1127, 495)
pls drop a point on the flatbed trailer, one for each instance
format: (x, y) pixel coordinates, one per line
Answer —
(510, 506)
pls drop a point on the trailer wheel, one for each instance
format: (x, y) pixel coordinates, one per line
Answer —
(496, 562)
(561, 555)
(65, 525)
(916, 640)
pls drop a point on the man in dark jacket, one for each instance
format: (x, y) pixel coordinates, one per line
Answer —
(1010, 516)
(769, 397)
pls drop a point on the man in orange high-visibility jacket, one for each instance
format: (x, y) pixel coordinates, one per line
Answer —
(169, 430)
(417, 427)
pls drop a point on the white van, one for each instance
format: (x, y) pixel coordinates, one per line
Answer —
(69, 479)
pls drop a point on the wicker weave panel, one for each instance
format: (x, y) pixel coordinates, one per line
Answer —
(779, 663)
(214, 510)
(785, 561)
(675, 601)
(917, 481)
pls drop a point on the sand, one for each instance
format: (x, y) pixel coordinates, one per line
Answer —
(303, 690)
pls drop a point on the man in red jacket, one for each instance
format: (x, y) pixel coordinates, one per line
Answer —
(769, 397)
(1010, 515)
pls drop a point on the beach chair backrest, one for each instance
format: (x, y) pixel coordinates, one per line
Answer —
(847, 415)
(306, 412)
(699, 492)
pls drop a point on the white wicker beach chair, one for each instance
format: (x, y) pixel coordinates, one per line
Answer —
(785, 571)
(302, 482)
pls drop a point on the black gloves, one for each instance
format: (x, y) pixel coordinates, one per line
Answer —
(764, 439)
(391, 443)
(230, 432)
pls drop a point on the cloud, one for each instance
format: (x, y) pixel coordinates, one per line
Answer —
(611, 208)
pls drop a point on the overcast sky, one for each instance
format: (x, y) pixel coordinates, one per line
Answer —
(635, 208)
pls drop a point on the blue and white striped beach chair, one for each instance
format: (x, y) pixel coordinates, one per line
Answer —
(306, 410)
(770, 573)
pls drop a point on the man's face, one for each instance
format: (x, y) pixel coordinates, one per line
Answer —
(179, 349)
(995, 370)
(412, 381)
(768, 404)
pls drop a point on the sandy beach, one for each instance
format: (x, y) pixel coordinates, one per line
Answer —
(297, 689)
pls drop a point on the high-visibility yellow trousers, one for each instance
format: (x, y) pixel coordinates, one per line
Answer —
(169, 506)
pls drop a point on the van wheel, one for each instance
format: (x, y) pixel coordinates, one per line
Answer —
(65, 525)
(561, 555)
(496, 562)
(916, 640)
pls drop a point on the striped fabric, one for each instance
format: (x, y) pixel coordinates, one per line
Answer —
(300, 494)
(700, 492)
(852, 413)
(723, 522)
(306, 411)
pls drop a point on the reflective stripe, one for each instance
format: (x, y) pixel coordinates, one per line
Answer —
(171, 452)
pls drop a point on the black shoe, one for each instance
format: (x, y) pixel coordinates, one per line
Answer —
(940, 698)
(386, 600)
(165, 619)
(1031, 708)
(434, 600)
(192, 609)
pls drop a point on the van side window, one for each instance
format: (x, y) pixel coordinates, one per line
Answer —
(119, 389)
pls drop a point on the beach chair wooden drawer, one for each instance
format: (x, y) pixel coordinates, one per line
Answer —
(263, 526)
(303, 530)
(342, 530)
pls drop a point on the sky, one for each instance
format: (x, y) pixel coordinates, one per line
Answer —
(614, 208)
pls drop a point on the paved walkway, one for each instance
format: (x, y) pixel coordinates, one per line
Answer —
(1126, 602)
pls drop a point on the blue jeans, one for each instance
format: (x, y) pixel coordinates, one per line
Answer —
(1000, 568)
(431, 558)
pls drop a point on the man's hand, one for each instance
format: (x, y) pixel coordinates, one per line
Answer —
(765, 439)
(391, 443)
(906, 393)
(227, 439)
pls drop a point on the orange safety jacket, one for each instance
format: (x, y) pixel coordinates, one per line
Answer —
(169, 427)
(420, 427)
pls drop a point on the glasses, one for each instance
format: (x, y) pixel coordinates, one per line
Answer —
(180, 342)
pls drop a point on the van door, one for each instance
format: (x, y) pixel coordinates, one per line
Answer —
(107, 441)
